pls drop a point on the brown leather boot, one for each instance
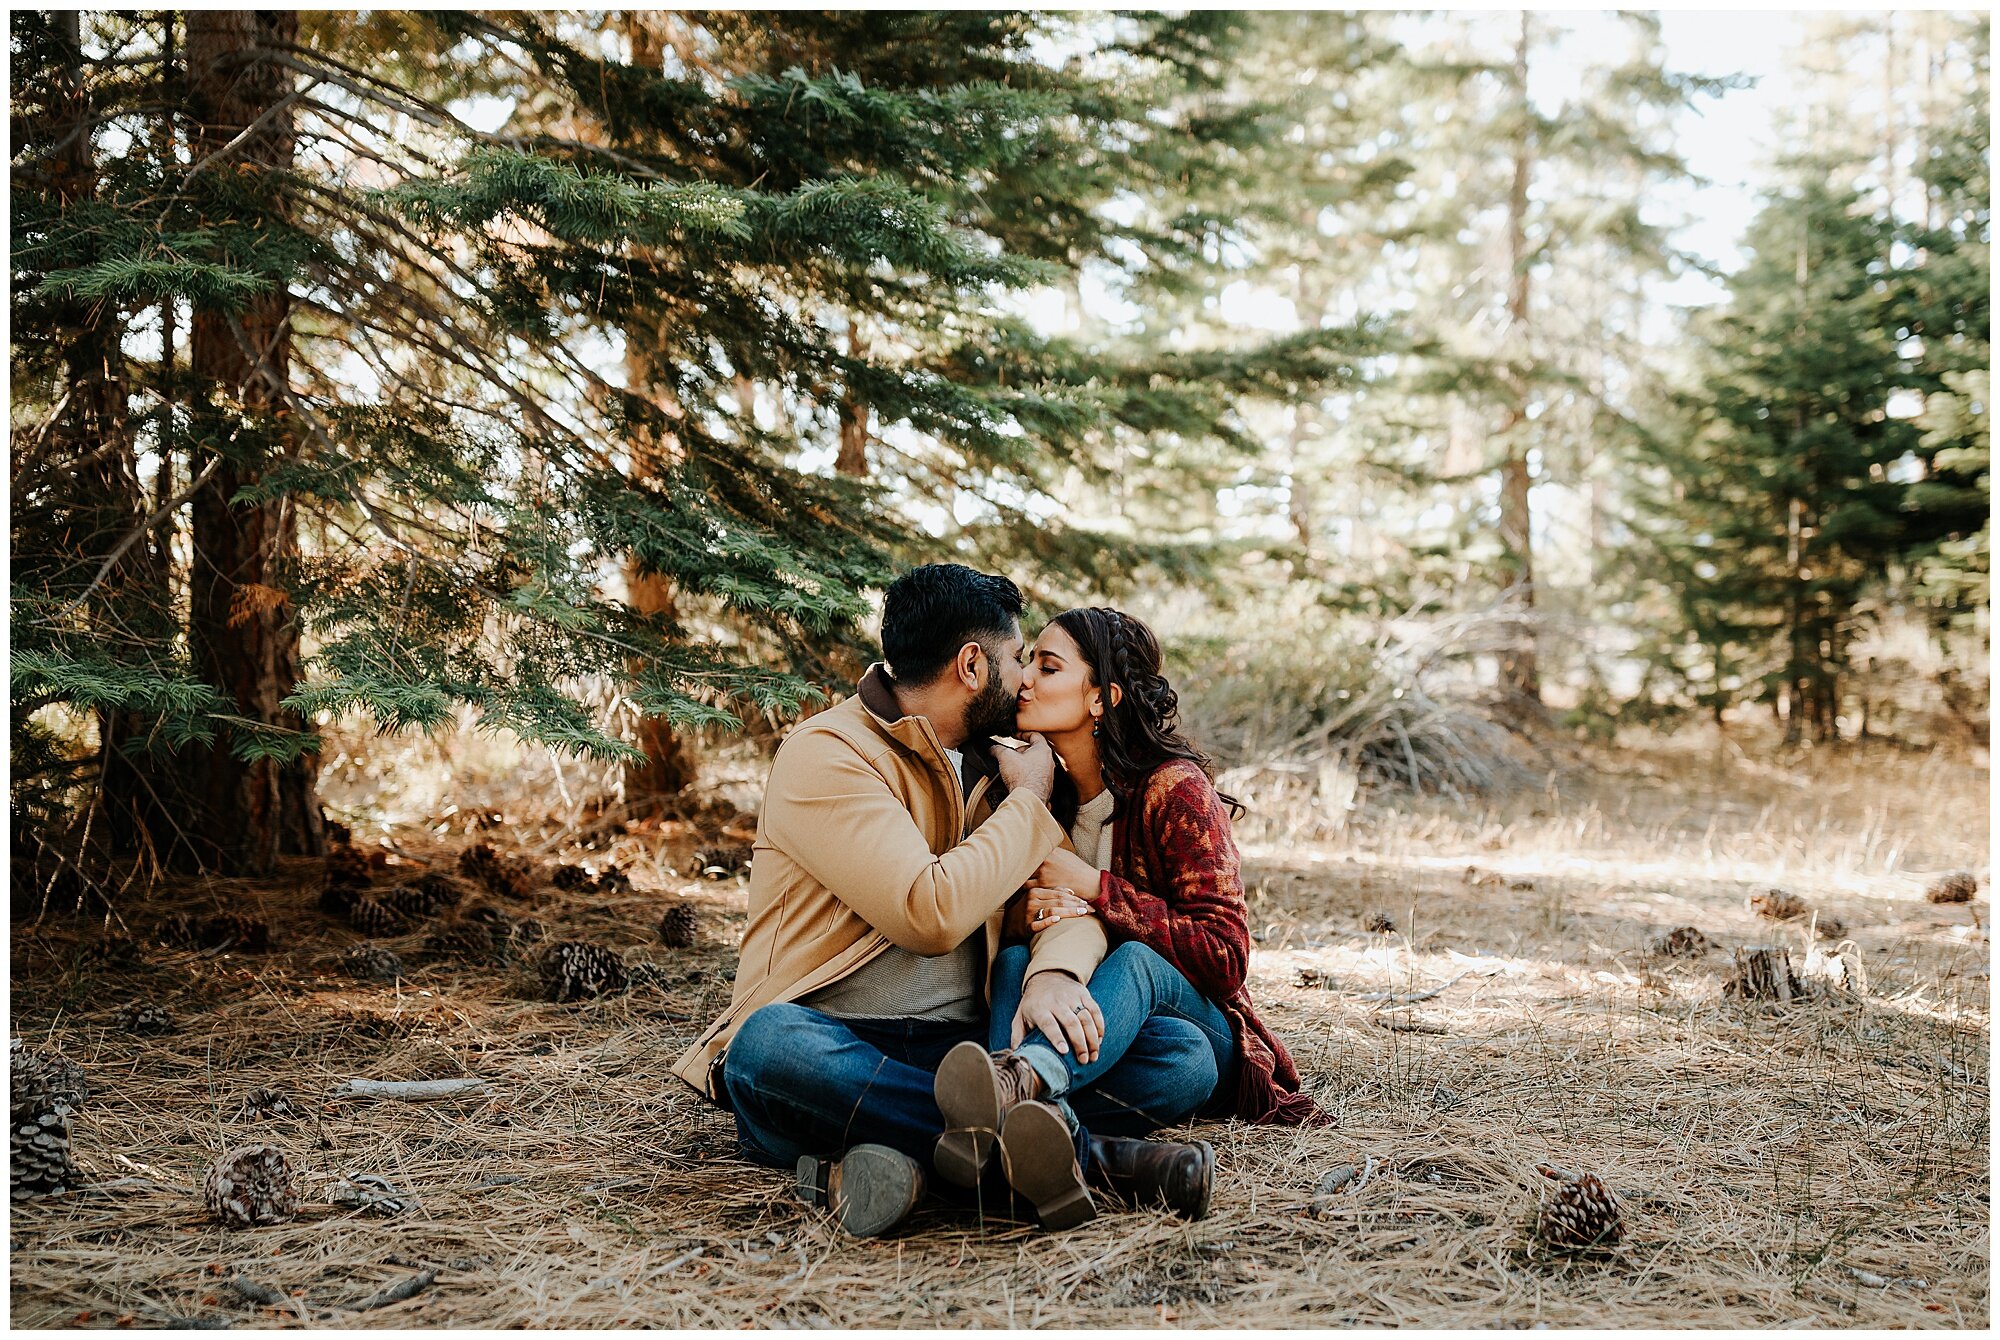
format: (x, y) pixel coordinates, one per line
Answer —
(975, 1089)
(870, 1188)
(1157, 1172)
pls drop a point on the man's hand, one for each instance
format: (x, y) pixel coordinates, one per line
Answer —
(1062, 1008)
(1064, 869)
(1032, 769)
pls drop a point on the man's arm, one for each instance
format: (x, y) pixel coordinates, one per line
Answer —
(831, 811)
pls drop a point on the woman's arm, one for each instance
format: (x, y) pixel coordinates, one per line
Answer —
(1196, 919)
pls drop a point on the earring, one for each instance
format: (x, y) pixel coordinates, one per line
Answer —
(1095, 728)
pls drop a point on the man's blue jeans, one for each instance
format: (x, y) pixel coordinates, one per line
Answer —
(804, 1082)
(1166, 1049)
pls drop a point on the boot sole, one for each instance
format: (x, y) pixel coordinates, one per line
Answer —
(870, 1189)
(1199, 1210)
(1040, 1160)
(967, 1090)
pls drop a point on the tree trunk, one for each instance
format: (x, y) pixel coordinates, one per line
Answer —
(131, 601)
(853, 458)
(670, 766)
(1519, 671)
(242, 628)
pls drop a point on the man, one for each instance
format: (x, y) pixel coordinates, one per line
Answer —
(886, 853)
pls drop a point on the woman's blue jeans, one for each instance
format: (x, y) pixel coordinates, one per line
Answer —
(804, 1082)
(1167, 1048)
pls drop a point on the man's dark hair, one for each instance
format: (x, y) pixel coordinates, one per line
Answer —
(930, 612)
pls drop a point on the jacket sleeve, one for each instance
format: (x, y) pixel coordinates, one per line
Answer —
(1195, 919)
(831, 810)
(1075, 946)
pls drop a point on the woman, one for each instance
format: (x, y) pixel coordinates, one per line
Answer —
(1164, 1028)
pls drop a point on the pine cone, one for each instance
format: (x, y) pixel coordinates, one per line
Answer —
(181, 930)
(613, 879)
(348, 867)
(1778, 905)
(508, 878)
(1957, 887)
(678, 925)
(1764, 974)
(462, 939)
(234, 930)
(722, 861)
(573, 878)
(372, 963)
(574, 970)
(266, 1103)
(144, 1019)
(1378, 923)
(1681, 942)
(114, 951)
(372, 917)
(42, 1080)
(338, 900)
(38, 1155)
(251, 1185)
(440, 890)
(653, 975)
(1577, 1211)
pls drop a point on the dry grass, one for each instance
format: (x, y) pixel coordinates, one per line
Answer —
(1825, 1165)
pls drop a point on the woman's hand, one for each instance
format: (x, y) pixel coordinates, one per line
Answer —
(1064, 869)
(1062, 1008)
(1046, 907)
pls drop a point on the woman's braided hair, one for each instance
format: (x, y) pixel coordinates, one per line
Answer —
(1142, 730)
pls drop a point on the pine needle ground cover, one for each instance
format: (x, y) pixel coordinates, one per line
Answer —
(1823, 1163)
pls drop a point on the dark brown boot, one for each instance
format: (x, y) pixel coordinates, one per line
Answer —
(1157, 1172)
(975, 1089)
(870, 1188)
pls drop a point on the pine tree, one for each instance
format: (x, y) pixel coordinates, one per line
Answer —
(1785, 512)
(408, 479)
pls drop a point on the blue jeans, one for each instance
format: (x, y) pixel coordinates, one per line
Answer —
(805, 1082)
(1167, 1048)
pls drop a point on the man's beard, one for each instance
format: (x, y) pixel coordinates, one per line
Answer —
(993, 711)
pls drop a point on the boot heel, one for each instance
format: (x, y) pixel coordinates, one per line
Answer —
(813, 1175)
(1067, 1210)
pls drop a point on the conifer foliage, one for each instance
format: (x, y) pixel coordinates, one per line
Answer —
(319, 415)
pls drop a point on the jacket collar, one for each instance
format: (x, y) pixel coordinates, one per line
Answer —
(916, 732)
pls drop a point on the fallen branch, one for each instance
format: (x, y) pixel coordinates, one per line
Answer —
(1409, 997)
(411, 1090)
(1406, 1023)
(255, 1292)
(399, 1291)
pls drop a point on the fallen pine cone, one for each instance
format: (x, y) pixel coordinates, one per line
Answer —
(573, 970)
(1378, 923)
(145, 1020)
(678, 925)
(1957, 887)
(1578, 1211)
(1764, 973)
(1777, 904)
(251, 1185)
(1681, 942)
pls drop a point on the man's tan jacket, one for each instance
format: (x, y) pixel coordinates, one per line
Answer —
(866, 839)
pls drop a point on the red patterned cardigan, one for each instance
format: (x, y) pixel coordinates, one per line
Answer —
(1176, 886)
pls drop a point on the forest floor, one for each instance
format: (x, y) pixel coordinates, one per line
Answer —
(1819, 1164)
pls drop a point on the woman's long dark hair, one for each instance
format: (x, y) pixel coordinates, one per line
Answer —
(1142, 730)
